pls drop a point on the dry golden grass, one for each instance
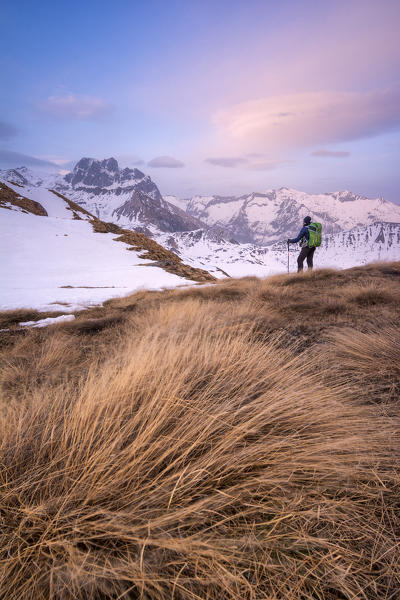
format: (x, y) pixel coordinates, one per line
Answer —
(371, 359)
(211, 443)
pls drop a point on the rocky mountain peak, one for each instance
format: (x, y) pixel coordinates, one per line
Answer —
(126, 196)
(128, 174)
(347, 196)
(92, 173)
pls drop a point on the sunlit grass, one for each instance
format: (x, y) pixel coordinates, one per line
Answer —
(232, 441)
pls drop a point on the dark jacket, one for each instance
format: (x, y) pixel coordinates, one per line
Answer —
(304, 236)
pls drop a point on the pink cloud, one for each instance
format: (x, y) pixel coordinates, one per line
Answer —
(302, 119)
(167, 162)
(330, 153)
(227, 161)
(267, 165)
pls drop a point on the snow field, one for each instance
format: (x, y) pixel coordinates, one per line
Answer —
(43, 254)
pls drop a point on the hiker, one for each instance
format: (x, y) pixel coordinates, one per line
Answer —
(306, 251)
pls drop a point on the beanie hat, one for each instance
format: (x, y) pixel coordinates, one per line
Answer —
(307, 220)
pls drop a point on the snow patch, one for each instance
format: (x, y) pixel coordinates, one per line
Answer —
(48, 321)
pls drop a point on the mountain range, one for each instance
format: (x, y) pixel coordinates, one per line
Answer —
(263, 218)
(131, 199)
(236, 236)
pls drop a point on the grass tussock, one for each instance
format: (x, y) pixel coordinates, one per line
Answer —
(211, 443)
(370, 359)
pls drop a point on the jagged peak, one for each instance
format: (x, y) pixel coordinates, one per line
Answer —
(87, 162)
(102, 173)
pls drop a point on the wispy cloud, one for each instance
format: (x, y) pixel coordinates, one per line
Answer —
(54, 159)
(267, 165)
(330, 153)
(129, 160)
(296, 120)
(16, 159)
(227, 161)
(7, 131)
(254, 161)
(166, 162)
(72, 106)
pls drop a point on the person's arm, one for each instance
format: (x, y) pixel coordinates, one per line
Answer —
(303, 232)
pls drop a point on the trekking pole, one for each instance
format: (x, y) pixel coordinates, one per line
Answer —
(288, 257)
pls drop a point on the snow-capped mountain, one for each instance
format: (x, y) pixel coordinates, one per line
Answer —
(124, 196)
(30, 178)
(263, 218)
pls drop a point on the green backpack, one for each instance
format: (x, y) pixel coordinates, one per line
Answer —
(315, 230)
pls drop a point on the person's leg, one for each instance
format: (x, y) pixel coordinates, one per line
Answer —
(310, 257)
(300, 259)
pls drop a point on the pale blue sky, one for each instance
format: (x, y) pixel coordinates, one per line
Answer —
(238, 96)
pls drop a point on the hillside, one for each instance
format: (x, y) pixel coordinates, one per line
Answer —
(60, 256)
(234, 441)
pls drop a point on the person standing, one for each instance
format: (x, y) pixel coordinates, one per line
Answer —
(306, 252)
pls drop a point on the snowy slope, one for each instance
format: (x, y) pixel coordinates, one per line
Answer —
(361, 245)
(278, 214)
(219, 256)
(358, 246)
(45, 254)
(176, 201)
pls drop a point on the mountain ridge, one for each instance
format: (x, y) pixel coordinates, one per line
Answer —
(264, 218)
